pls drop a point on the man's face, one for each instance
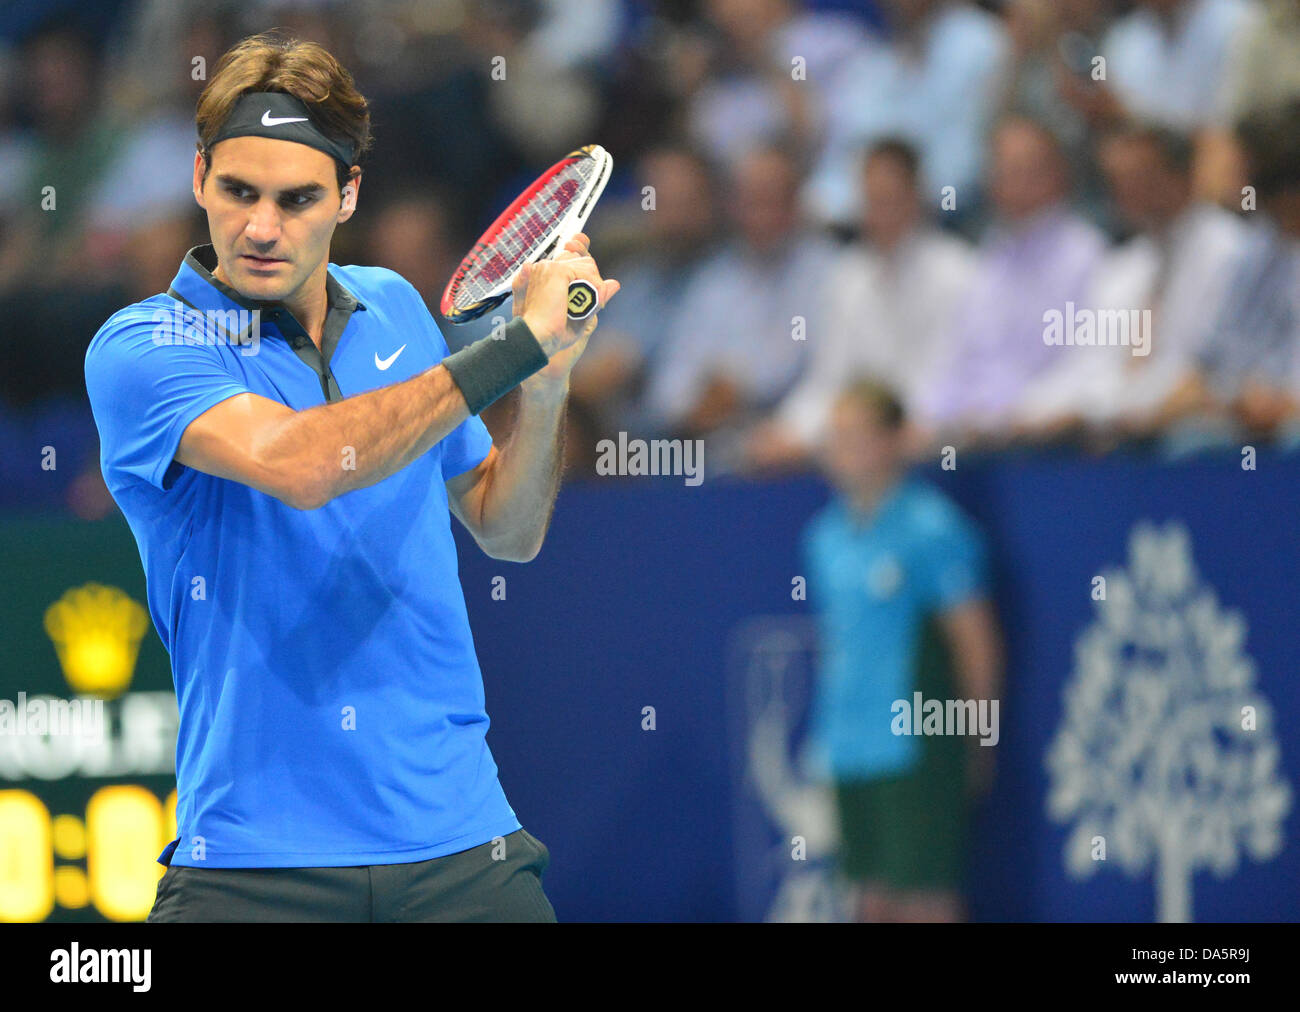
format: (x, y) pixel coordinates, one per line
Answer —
(684, 210)
(764, 204)
(272, 208)
(1027, 175)
(1144, 191)
(859, 450)
(892, 205)
(59, 83)
(747, 23)
(411, 237)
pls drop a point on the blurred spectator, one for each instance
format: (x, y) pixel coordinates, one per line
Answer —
(1054, 43)
(544, 101)
(150, 178)
(17, 146)
(890, 301)
(639, 86)
(1177, 266)
(744, 89)
(153, 252)
(71, 143)
(63, 276)
(1039, 256)
(897, 575)
(576, 33)
(47, 299)
(676, 235)
(429, 83)
(1263, 78)
(410, 233)
(150, 58)
(935, 80)
(1169, 60)
(1252, 351)
(1265, 73)
(736, 343)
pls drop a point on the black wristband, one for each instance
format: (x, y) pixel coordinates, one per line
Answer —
(492, 367)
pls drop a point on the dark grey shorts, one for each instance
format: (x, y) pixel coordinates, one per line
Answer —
(469, 886)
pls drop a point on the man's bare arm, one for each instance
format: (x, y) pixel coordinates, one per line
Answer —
(976, 647)
(976, 644)
(299, 457)
(306, 458)
(507, 501)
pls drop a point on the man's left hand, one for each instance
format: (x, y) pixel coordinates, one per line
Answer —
(556, 372)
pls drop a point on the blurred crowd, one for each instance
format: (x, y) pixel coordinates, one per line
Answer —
(1037, 221)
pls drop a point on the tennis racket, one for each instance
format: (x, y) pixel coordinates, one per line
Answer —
(536, 226)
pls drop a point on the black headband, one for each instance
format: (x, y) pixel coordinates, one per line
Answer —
(283, 118)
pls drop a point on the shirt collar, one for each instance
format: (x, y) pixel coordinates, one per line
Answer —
(197, 285)
(886, 505)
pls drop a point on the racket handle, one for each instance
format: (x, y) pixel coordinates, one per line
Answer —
(582, 300)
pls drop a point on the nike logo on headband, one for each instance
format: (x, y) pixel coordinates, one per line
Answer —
(269, 120)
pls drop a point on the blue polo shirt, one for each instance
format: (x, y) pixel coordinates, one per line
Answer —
(873, 582)
(331, 704)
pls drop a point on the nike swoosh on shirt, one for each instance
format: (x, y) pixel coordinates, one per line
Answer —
(269, 120)
(383, 363)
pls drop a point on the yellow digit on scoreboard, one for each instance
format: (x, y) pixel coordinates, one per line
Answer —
(26, 858)
(123, 826)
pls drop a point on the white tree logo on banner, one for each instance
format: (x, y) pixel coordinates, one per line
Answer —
(1166, 757)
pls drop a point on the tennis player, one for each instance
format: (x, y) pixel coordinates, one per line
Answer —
(287, 457)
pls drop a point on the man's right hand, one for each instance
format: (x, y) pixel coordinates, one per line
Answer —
(541, 294)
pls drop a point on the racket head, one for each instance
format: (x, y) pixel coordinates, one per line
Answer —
(550, 212)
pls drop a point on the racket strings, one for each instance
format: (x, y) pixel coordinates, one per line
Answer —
(528, 230)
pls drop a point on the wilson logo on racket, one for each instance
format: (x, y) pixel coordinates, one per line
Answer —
(536, 226)
(582, 300)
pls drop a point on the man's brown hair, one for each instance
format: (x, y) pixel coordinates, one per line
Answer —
(305, 70)
(903, 153)
(877, 398)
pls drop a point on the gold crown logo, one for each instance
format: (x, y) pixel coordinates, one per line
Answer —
(97, 632)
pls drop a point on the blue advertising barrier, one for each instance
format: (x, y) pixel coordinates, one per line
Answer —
(648, 676)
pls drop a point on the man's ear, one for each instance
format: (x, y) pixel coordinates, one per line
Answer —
(350, 190)
(200, 164)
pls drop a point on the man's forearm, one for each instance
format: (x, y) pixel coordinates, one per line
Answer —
(519, 493)
(331, 449)
(976, 648)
